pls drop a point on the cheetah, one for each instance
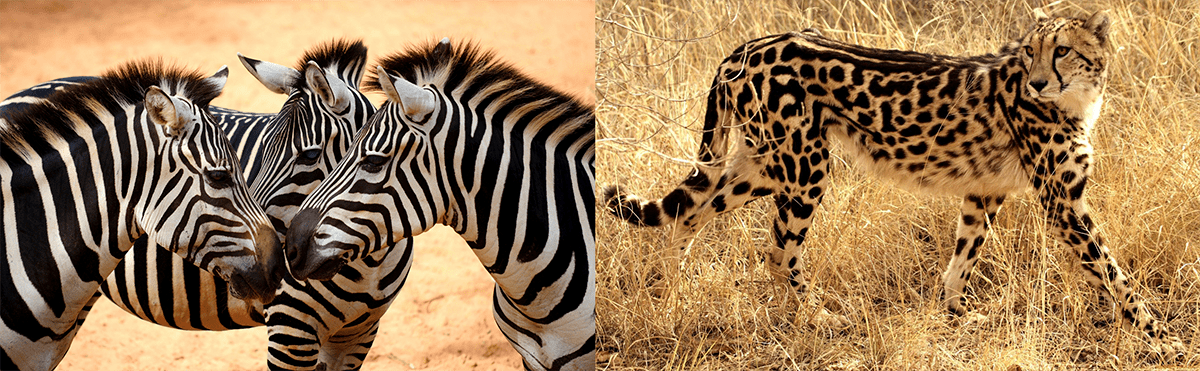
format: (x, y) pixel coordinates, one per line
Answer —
(979, 127)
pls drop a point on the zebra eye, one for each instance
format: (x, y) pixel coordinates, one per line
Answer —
(309, 157)
(1029, 51)
(1061, 51)
(218, 178)
(373, 163)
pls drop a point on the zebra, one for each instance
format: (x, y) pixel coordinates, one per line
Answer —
(86, 171)
(38, 93)
(285, 156)
(506, 161)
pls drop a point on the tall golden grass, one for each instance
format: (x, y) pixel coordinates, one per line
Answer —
(876, 251)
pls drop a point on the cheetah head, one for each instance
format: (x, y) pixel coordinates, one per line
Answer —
(1065, 59)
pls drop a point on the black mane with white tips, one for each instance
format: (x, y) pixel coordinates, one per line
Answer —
(448, 67)
(124, 85)
(339, 53)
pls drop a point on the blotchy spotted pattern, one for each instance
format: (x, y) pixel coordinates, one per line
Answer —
(978, 127)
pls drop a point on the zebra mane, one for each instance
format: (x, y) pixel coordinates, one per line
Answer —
(448, 67)
(124, 85)
(342, 54)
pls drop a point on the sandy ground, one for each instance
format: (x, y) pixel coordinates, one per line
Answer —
(442, 318)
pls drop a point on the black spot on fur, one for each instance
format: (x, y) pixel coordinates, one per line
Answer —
(924, 117)
(697, 181)
(718, 203)
(918, 149)
(677, 203)
(969, 220)
(759, 192)
(837, 74)
(741, 188)
(769, 56)
(807, 72)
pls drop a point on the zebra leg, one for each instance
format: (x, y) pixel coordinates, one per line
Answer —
(973, 222)
(567, 342)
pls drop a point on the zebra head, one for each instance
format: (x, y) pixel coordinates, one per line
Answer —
(197, 203)
(388, 188)
(313, 129)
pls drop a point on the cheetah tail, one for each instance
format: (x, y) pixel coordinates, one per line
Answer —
(632, 208)
(710, 163)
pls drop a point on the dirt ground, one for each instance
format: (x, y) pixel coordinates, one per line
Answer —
(442, 318)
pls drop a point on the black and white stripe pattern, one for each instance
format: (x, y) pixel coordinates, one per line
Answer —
(504, 160)
(91, 168)
(285, 155)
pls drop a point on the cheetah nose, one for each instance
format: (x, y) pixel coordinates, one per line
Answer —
(1037, 85)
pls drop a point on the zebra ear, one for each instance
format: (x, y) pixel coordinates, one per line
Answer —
(218, 79)
(443, 47)
(417, 102)
(331, 90)
(164, 110)
(276, 78)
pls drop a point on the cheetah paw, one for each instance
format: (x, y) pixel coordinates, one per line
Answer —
(826, 319)
(973, 317)
(1169, 348)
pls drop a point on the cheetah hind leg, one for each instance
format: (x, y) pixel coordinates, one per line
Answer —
(976, 216)
(706, 204)
(795, 214)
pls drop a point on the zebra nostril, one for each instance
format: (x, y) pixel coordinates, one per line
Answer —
(1037, 85)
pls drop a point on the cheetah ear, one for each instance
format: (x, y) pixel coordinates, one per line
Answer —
(1098, 24)
(1039, 15)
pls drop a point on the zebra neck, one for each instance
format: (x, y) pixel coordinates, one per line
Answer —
(78, 186)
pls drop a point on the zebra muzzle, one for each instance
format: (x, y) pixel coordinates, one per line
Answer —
(306, 258)
(260, 278)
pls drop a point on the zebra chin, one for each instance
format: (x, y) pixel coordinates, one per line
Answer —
(260, 278)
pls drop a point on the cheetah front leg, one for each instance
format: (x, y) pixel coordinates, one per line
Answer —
(1062, 196)
(973, 222)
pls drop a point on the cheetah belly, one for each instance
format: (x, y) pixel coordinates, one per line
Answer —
(992, 169)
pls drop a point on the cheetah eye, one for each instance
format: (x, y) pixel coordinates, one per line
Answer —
(1061, 51)
(1029, 51)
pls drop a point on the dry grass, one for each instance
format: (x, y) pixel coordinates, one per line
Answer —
(878, 252)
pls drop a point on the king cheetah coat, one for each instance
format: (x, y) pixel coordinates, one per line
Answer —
(979, 127)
